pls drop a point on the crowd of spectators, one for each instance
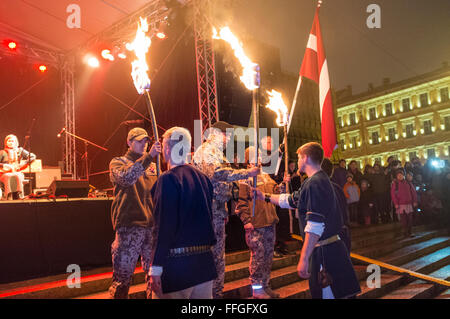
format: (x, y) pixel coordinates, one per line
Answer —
(412, 194)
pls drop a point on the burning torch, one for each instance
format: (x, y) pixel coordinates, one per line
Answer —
(277, 105)
(140, 46)
(251, 79)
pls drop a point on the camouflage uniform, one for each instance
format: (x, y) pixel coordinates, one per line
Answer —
(132, 176)
(260, 241)
(209, 158)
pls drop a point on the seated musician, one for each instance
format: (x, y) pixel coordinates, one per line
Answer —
(13, 160)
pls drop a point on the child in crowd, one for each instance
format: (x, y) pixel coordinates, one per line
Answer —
(404, 197)
(366, 203)
(352, 193)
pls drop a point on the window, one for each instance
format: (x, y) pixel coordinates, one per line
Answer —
(354, 142)
(391, 133)
(424, 99)
(375, 138)
(340, 121)
(342, 144)
(431, 153)
(447, 123)
(352, 118)
(427, 127)
(388, 109)
(377, 160)
(406, 105)
(412, 155)
(444, 94)
(372, 114)
(409, 130)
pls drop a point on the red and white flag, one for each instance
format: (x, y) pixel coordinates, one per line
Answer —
(314, 67)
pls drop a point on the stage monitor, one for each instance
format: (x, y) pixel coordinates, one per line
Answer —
(72, 189)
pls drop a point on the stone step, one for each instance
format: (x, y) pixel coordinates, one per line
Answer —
(412, 252)
(444, 295)
(364, 231)
(372, 239)
(389, 246)
(429, 263)
(389, 282)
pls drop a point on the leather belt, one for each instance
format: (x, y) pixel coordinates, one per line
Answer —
(328, 241)
(187, 251)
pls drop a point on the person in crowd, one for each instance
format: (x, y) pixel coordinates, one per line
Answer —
(340, 174)
(408, 167)
(183, 264)
(352, 193)
(354, 170)
(367, 172)
(259, 230)
(12, 164)
(132, 176)
(344, 234)
(404, 197)
(209, 159)
(378, 185)
(324, 259)
(366, 204)
(431, 206)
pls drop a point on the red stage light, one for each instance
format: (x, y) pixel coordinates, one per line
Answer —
(12, 45)
(42, 68)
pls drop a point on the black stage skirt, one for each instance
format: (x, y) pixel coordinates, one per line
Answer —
(336, 260)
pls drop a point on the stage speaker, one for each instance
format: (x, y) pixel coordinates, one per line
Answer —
(72, 189)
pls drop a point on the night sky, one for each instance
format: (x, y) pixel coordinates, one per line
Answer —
(414, 37)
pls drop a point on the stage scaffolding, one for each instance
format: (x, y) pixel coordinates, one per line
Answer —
(206, 74)
(118, 34)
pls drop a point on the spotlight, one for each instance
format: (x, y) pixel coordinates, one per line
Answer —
(106, 54)
(161, 35)
(42, 68)
(93, 62)
(122, 55)
(12, 45)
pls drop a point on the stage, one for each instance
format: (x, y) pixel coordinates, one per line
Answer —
(42, 237)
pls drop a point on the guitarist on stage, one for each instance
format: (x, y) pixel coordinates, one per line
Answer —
(12, 163)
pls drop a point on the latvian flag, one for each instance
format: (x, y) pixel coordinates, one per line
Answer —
(315, 67)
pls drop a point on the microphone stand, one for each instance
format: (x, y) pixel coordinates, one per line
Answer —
(28, 139)
(85, 155)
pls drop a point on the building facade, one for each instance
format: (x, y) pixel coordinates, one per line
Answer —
(406, 119)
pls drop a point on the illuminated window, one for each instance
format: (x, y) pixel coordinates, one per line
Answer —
(431, 153)
(375, 138)
(372, 114)
(406, 105)
(447, 123)
(342, 144)
(391, 133)
(409, 130)
(424, 99)
(444, 94)
(352, 118)
(427, 127)
(388, 109)
(354, 141)
(412, 155)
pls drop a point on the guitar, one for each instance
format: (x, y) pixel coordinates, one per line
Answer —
(36, 166)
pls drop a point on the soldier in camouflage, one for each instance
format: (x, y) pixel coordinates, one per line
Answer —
(209, 158)
(133, 176)
(259, 231)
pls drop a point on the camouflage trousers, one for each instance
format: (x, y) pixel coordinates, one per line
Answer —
(261, 243)
(129, 244)
(219, 257)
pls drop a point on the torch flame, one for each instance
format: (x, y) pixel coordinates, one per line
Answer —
(249, 74)
(277, 105)
(140, 46)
